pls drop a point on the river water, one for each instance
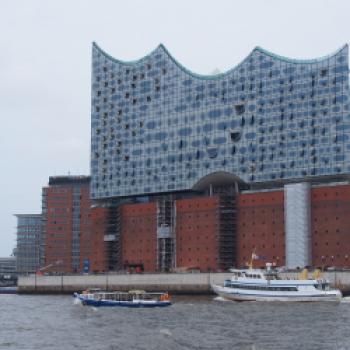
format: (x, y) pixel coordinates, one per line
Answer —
(55, 322)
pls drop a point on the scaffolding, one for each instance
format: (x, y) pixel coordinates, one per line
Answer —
(227, 217)
(166, 243)
(112, 238)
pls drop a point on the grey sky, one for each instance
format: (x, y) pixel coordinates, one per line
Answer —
(45, 58)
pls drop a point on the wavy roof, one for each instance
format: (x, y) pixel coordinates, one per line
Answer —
(161, 47)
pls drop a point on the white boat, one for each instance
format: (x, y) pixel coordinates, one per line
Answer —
(266, 285)
(134, 298)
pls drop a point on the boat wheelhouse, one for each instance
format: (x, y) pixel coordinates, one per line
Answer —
(267, 285)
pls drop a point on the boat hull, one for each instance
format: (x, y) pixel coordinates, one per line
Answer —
(8, 290)
(114, 303)
(241, 295)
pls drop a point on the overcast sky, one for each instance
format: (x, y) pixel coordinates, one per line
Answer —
(45, 60)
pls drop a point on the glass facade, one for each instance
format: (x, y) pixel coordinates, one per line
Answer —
(157, 127)
(28, 242)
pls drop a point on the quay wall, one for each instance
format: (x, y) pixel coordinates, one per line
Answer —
(181, 283)
(177, 283)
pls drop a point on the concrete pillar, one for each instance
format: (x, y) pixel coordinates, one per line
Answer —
(297, 213)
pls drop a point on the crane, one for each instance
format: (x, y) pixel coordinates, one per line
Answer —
(42, 269)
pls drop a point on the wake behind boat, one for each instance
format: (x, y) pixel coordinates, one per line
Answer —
(133, 299)
(266, 285)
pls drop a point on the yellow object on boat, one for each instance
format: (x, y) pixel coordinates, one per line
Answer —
(303, 275)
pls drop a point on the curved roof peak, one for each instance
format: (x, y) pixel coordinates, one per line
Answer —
(216, 76)
(297, 60)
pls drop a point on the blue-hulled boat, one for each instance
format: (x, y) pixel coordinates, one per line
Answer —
(135, 298)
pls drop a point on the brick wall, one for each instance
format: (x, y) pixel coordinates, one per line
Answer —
(197, 233)
(99, 221)
(58, 240)
(331, 226)
(261, 228)
(139, 235)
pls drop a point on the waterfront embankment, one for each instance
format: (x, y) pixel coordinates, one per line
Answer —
(176, 283)
(179, 283)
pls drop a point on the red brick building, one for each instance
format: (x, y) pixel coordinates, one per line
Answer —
(331, 226)
(261, 228)
(197, 226)
(66, 230)
(139, 236)
(102, 238)
(98, 253)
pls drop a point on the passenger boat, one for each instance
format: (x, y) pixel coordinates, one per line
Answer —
(267, 285)
(134, 298)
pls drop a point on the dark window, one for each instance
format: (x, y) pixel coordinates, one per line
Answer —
(240, 109)
(235, 136)
(324, 72)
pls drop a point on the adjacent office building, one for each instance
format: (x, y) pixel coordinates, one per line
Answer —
(7, 266)
(28, 242)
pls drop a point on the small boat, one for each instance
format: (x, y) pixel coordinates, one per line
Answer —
(266, 285)
(133, 298)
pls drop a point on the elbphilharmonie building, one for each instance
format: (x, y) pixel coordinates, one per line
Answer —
(211, 168)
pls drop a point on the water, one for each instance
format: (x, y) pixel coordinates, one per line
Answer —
(54, 322)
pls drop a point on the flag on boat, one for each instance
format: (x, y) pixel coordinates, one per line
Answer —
(255, 257)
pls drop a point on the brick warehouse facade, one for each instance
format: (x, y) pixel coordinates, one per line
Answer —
(197, 233)
(139, 238)
(99, 222)
(331, 226)
(260, 228)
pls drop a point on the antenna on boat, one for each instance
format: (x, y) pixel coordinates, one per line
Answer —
(252, 258)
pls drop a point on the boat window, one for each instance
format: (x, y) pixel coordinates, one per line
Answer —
(325, 286)
(263, 288)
